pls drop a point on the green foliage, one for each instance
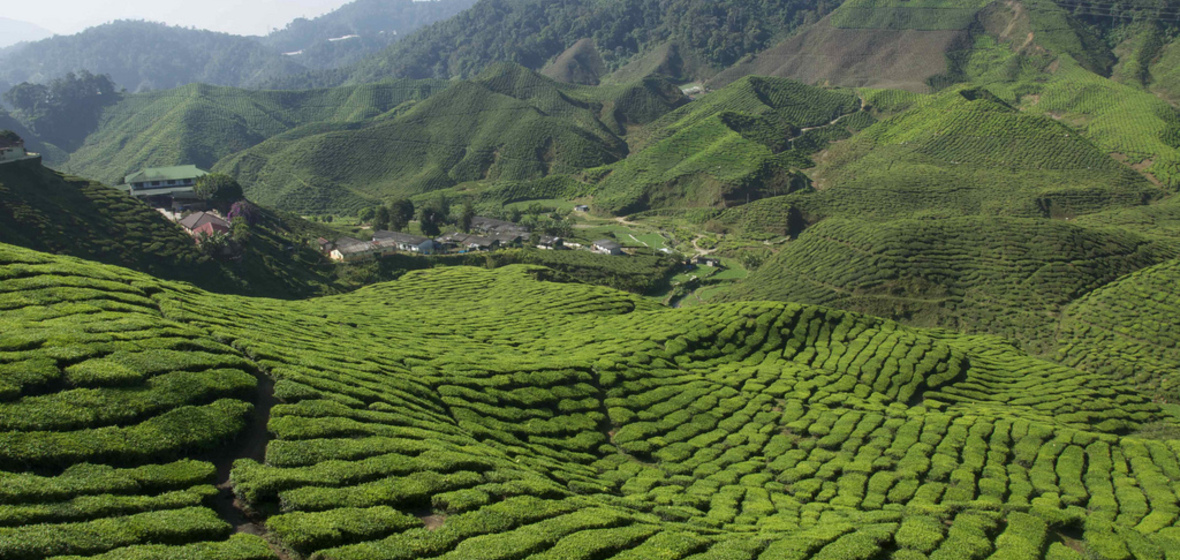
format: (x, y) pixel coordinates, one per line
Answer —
(510, 124)
(732, 146)
(1127, 329)
(65, 110)
(202, 124)
(51, 212)
(967, 152)
(461, 412)
(716, 32)
(141, 55)
(219, 189)
(1004, 276)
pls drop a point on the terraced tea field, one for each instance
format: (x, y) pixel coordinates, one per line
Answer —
(1005, 276)
(464, 413)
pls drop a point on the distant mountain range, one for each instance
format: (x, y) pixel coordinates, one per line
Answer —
(143, 56)
(15, 31)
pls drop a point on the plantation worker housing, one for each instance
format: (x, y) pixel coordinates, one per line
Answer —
(12, 148)
(164, 187)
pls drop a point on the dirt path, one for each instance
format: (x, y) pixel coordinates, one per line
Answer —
(250, 444)
(701, 252)
(834, 121)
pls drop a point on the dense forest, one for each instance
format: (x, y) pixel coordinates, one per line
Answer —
(531, 32)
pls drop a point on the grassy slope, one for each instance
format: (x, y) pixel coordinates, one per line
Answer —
(635, 432)
(1005, 276)
(511, 124)
(1128, 329)
(966, 152)
(200, 124)
(729, 145)
(47, 211)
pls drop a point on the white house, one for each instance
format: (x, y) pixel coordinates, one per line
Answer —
(607, 247)
(349, 249)
(12, 148)
(392, 241)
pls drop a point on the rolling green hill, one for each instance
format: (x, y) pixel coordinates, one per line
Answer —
(511, 124)
(743, 142)
(1128, 329)
(1006, 276)
(200, 124)
(45, 210)
(466, 413)
(966, 152)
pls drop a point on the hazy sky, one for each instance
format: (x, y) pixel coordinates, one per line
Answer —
(243, 17)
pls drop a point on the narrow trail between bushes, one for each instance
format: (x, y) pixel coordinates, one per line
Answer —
(250, 444)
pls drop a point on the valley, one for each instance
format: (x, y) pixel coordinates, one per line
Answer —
(581, 280)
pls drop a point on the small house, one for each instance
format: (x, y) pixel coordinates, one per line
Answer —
(349, 249)
(702, 260)
(490, 227)
(209, 229)
(12, 147)
(324, 245)
(405, 242)
(582, 208)
(196, 220)
(606, 247)
(467, 242)
(549, 243)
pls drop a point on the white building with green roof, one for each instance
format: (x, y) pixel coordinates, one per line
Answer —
(163, 180)
(177, 182)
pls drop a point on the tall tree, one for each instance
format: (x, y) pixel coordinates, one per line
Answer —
(432, 216)
(219, 189)
(381, 219)
(466, 216)
(401, 211)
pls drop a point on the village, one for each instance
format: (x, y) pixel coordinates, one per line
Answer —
(172, 191)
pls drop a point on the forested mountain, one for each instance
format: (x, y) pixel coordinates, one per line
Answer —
(357, 29)
(140, 55)
(707, 35)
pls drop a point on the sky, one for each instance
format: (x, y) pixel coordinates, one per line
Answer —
(241, 17)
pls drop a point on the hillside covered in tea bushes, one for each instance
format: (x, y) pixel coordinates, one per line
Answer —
(45, 210)
(468, 413)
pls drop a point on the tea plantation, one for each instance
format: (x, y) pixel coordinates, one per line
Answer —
(510, 124)
(745, 141)
(470, 413)
(1007, 276)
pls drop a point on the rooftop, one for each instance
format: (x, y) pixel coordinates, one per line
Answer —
(399, 237)
(608, 244)
(176, 173)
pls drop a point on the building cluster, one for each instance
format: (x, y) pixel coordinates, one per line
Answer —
(487, 234)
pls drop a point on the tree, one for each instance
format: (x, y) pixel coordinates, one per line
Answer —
(433, 216)
(381, 218)
(401, 211)
(466, 216)
(366, 214)
(246, 211)
(219, 189)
